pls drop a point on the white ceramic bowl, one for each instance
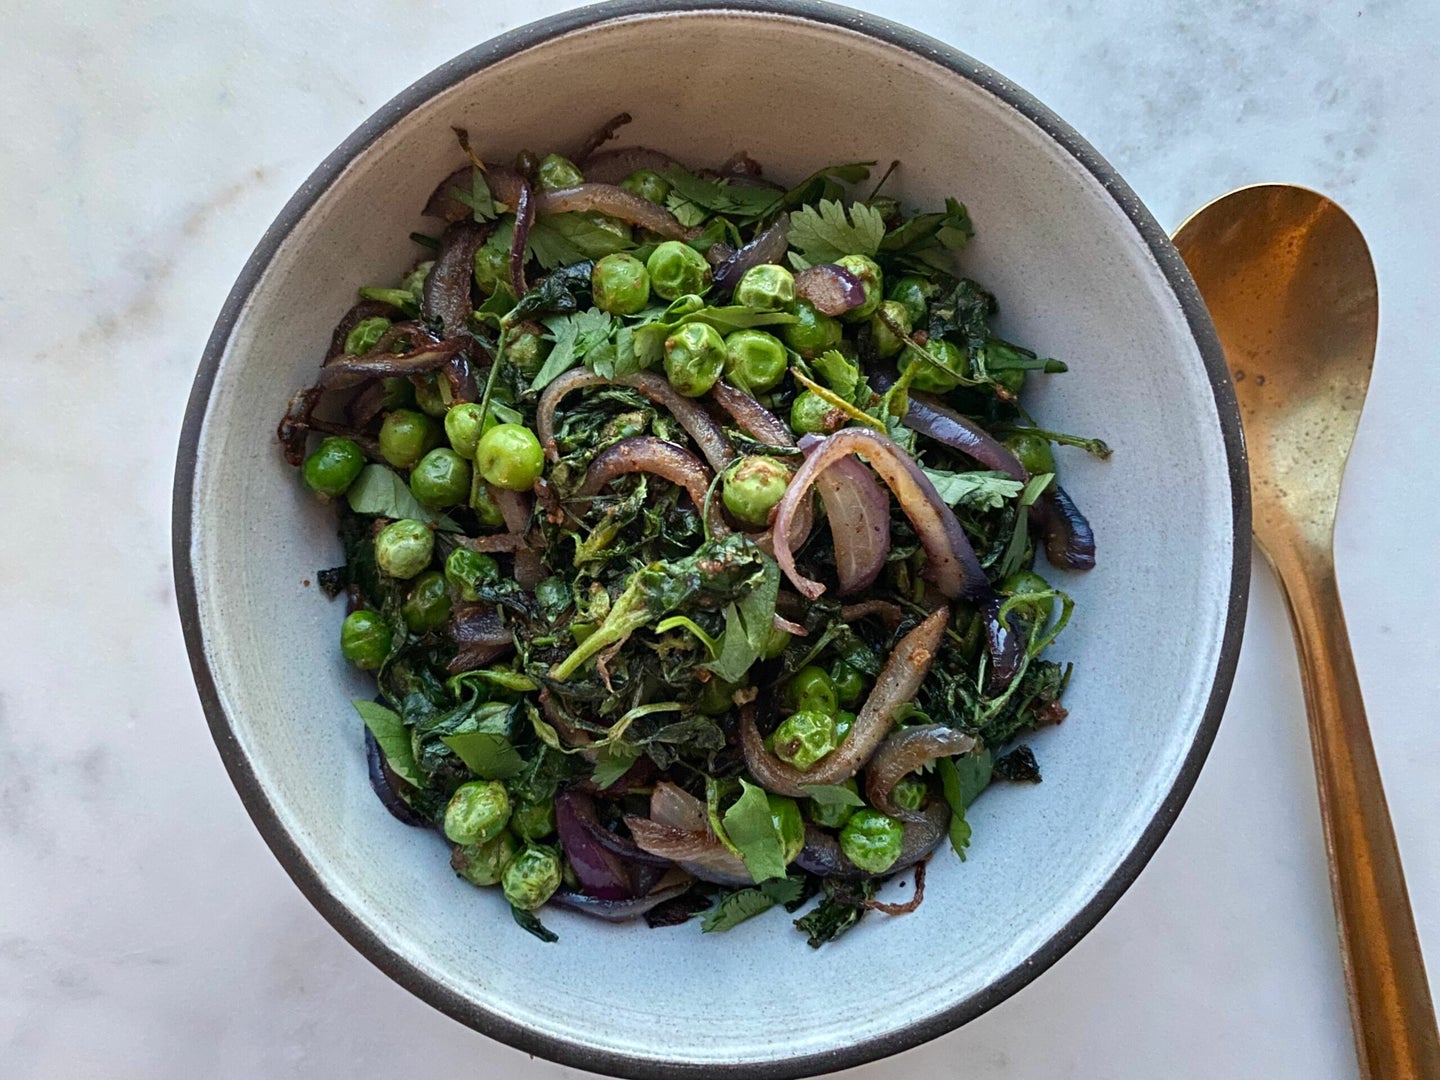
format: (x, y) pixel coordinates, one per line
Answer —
(1082, 272)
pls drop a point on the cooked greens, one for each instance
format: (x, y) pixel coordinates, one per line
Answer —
(690, 526)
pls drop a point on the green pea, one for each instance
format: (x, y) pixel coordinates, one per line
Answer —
(406, 436)
(432, 395)
(399, 392)
(810, 414)
(887, 343)
(910, 793)
(534, 820)
(483, 503)
(555, 172)
(620, 284)
(531, 878)
(462, 427)
(427, 607)
(694, 358)
(936, 380)
(492, 265)
(483, 864)
(832, 815)
(872, 841)
(509, 456)
(465, 569)
(810, 689)
(333, 466)
(785, 813)
(677, 269)
(766, 287)
(1024, 583)
(849, 682)
(441, 478)
(868, 271)
(527, 350)
(477, 812)
(775, 644)
(648, 184)
(844, 721)
(1033, 450)
(365, 639)
(364, 334)
(1012, 379)
(812, 333)
(803, 738)
(403, 548)
(717, 697)
(754, 360)
(753, 486)
(913, 293)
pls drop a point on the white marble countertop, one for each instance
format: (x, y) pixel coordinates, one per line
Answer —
(145, 930)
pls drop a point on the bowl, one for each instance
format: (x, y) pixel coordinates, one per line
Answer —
(1083, 272)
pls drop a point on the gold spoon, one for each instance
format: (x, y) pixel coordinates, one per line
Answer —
(1289, 282)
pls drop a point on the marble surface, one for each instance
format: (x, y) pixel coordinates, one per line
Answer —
(145, 930)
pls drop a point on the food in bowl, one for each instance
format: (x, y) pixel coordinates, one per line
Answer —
(690, 525)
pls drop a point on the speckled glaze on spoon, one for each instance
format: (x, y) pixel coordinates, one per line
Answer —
(1289, 282)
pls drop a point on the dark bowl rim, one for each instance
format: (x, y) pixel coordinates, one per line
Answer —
(255, 798)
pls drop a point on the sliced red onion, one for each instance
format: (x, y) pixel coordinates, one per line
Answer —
(295, 424)
(504, 184)
(645, 453)
(431, 354)
(600, 872)
(832, 289)
(387, 785)
(859, 514)
(823, 856)
(800, 526)
(618, 910)
(613, 166)
(460, 378)
(1069, 540)
(516, 508)
(901, 754)
(789, 627)
(600, 137)
(886, 611)
(768, 247)
(697, 423)
(365, 309)
(447, 285)
(943, 424)
(615, 202)
(950, 561)
(479, 624)
(905, 669)
(672, 805)
(750, 416)
(698, 852)
(525, 210)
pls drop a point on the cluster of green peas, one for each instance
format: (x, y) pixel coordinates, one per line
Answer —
(498, 842)
(820, 719)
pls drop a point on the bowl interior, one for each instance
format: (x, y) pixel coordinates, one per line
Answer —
(1075, 280)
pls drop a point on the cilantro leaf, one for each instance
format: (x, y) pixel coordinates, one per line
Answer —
(613, 762)
(977, 490)
(824, 234)
(822, 184)
(962, 781)
(840, 374)
(833, 795)
(695, 198)
(380, 492)
(747, 903)
(478, 198)
(751, 829)
(394, 739)
(487, 755)
(926, 234)
(575, 336)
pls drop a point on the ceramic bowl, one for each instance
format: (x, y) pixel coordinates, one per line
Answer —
(1082, 271)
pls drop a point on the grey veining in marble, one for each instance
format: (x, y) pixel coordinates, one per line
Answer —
(145, 931)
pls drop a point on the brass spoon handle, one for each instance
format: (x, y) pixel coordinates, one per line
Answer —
(1390, 1005)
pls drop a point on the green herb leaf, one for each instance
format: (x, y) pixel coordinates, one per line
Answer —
(488, 756)
(842, 907)
(825, 183)
(575, 336)
(976, 490)
(561, 239)
(962, 781)
(825, 234)
(394, 739)
(948, 230)
(613, 762)
(736, 654)
(380, 492)
(527, 921)
(751, 828)
(832, 795)
(839, 373)
(1015, 552)
(400, 298)
(691, 197)
(735, 909)
(478, 198)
